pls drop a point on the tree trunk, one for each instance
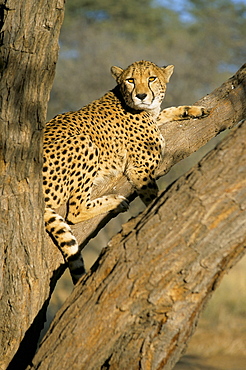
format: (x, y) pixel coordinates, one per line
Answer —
(30, 268)
(140, 303)
(28, 54)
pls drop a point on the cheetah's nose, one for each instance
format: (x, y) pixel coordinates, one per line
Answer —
(141, 96)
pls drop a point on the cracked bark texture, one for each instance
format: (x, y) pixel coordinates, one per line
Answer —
(30, 263)
(28, 54)
(140, 303)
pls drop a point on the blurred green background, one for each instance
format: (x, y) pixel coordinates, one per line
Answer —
(206, 42)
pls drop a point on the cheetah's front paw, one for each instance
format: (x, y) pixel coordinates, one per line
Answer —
(182, 112)
(121, 204)
(194, 111)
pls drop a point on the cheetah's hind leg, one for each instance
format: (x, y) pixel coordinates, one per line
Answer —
(63, 237)
(80, 205)
(87, 210)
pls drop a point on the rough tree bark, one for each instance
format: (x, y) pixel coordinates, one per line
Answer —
(183, 138)
(29, 268)
(28, 54)
(139, 305)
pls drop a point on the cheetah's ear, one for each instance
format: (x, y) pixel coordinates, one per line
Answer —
(116, 72)
(168, 71)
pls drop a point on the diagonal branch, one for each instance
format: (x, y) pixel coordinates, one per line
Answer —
(183, 138)
(139, 305)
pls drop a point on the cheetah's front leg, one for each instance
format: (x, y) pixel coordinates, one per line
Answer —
(182, 112)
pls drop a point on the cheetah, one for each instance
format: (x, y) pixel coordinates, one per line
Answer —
(116, 134)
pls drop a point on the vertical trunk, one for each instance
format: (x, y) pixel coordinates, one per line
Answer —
(29, 46)
(29, 35)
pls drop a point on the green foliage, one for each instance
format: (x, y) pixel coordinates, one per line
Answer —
(128, 18)
(205, 40)
(220, 27)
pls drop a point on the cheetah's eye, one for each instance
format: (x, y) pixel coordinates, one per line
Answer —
(130, 80)
(151, 79)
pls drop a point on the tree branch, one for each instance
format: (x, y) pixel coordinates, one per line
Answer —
(140, 303)
(182, 138)
(227, 104)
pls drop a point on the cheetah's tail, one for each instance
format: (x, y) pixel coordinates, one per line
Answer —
(63, 237)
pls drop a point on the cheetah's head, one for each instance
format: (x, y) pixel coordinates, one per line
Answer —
(143, 85)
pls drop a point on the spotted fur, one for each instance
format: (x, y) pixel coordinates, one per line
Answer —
(117, 133)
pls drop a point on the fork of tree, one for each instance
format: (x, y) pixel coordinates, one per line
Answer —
(139, 304)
